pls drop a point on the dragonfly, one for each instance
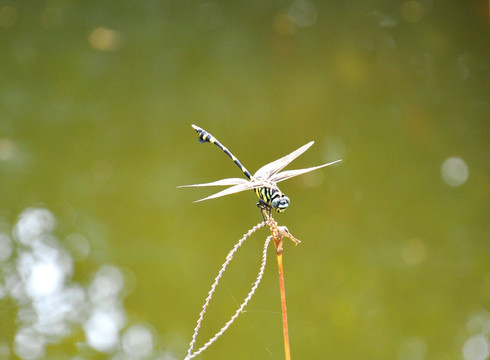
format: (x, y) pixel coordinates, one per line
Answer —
(263, 182)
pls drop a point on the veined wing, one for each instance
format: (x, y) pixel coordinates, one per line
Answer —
(233, 190)
(224, 182)
(288, 174)
(266, 171)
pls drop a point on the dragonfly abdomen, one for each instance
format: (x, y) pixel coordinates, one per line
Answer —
(204, 136)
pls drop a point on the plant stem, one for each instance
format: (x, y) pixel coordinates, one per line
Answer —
(277, 234)
(287, 352)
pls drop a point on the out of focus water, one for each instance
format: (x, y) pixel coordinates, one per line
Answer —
(101, 256)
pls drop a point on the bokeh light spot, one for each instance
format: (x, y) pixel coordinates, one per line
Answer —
(478, 322)
(383, 19)
(334, 149)
(107, 283)
(78, 246)
(412, 348)
(32, 224)
(414, 252)
(102, 330)
(303, 13)
(454, 171)
(475, 348)
(105, 39)
(45, 279)
(7, 149)
(29, 344)
(137, 341)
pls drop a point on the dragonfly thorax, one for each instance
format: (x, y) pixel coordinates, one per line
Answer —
(272, 197)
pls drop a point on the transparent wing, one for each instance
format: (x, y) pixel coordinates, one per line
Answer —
(266, 171)
(233, 190)
(288, 174)
(224, 182)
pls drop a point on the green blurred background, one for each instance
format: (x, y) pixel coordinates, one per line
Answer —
(102, 256)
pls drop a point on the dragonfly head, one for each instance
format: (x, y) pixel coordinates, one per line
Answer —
(280, 203)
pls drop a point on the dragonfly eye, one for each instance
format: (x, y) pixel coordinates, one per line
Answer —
(280, 203)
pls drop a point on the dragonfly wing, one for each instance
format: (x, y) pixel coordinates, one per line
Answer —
(224, 182)
(288, 174)
(266, 171)
(232, 190)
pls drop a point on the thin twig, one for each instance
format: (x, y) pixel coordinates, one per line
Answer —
(191, 355)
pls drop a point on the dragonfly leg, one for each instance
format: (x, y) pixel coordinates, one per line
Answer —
(265, 214)
(265, 209)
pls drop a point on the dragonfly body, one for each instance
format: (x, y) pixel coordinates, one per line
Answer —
(263, 182)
